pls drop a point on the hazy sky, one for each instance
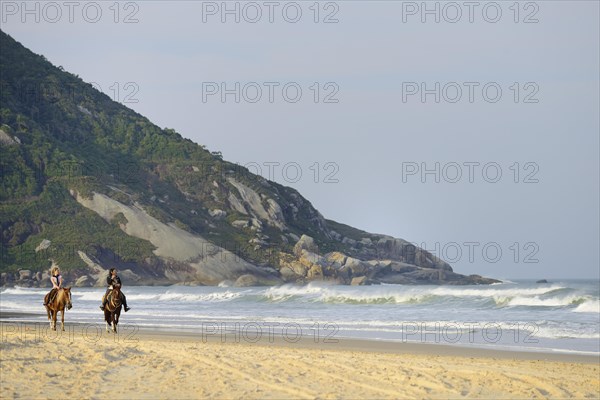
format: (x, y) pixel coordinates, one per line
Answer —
(517, 90)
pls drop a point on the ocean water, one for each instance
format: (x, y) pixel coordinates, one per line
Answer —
(561, 316)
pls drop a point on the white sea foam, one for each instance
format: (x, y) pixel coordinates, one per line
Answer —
(169, 296)
(589, 306)
(536, 301)
(398, 294)
(331, 294)
(493, 292)
(19, 291)
(22, 307)
(564, 332)
(375, 298)
(188, 297)
(311, 288)
(87, 296)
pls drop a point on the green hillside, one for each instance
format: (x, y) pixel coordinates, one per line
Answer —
(64, 144)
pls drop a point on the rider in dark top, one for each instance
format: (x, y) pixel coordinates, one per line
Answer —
(111, 280)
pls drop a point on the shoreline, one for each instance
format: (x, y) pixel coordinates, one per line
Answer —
(131, 334)
(386, 347)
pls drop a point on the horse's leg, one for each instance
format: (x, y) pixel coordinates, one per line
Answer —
(54, 315)
(62, 319)
(107, 320)
(114, 322)
(46, 305)
(48, 311)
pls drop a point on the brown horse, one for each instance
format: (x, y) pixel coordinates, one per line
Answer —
(61, 299)
(112, 310)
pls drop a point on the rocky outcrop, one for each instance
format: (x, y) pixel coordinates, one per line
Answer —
(305, 243)
(44, 244)
(236, 204)
(253, 280)
(83, 281)
(240, 223)
(188, 257)
(305, 264)
(359, 281)
(7, 140)
(24, 274)
(273, 214)
(217, 214)
(96, 274)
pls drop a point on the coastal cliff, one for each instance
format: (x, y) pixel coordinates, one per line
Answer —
(88, 184)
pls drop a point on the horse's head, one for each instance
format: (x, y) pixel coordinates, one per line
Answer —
(67, 295)
(117, 288)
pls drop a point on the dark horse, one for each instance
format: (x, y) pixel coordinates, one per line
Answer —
(112, 310)
(61, 299)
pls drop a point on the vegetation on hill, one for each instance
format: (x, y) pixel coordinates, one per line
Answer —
(62, 141)
(71, 136)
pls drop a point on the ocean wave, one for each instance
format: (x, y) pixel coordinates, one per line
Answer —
(187, 297)
(590, 306)
(21, 291)
(379, 298)
(169, 296)
(564, 333)
(397, 294)
(87, 296)
(11, 305)
(493, 292)
(286, 292)
(536, 301)
(22, 307)
(336, 295)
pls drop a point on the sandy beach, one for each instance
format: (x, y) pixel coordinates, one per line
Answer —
(86, 362)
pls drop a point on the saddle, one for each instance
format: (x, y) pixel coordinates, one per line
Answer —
(109, 294)
(48, 298)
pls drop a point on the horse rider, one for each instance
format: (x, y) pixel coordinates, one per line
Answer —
(111, 280)
(57, 280)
